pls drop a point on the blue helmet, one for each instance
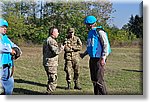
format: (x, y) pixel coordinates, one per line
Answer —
(3, 22)
(90, 20)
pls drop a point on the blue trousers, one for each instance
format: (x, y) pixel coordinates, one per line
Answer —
(7, 81)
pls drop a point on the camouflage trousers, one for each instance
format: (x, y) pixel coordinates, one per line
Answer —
(69, 66)
(52, 78)
(97, 76)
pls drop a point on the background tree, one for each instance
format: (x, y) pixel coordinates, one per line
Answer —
(135, 26)
(29, 21)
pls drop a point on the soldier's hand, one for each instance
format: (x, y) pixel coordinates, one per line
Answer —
(74, 47)
(62, 47)
(69, 46)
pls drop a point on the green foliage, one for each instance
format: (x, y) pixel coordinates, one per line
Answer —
(16, 29)
(29, 21)
(120, 36)
(135, 26)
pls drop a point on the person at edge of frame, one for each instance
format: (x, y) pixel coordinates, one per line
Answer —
(7, 58)
(98, 48)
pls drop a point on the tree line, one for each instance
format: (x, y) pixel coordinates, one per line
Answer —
(29, 21)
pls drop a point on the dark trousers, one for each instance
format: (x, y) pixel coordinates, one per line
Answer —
(97, 76)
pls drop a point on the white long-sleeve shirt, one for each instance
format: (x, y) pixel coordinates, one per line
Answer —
(104, 40)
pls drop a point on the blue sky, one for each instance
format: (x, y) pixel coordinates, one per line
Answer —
(124, 10)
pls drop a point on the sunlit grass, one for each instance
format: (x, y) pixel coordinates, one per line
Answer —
(123, 74)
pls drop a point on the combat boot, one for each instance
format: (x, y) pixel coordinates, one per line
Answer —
(77, 86)
(69, 86)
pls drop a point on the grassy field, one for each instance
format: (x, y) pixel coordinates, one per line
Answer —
(123, 74)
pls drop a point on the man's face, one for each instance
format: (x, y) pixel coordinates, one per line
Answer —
(70, 34)
(3, 29)
(88, 26)
(55, 33)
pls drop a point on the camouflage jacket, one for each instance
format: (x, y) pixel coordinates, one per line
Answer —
(72, 47)
(50, 52)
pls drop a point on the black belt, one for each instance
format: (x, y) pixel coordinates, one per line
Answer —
(7, 66)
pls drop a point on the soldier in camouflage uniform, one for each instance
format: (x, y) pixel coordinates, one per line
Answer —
(72, 46)
(50, 58)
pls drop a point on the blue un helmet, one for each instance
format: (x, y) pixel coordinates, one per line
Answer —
(3, 22)
(90, 20)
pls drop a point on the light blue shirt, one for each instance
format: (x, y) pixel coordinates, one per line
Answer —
(5, 50)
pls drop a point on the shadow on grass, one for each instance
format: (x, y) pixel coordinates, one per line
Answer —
(29, 82)
(132, 70)
(35, 83)
(21, 91)
(61, 87)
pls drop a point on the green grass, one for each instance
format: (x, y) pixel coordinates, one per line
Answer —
(123, 74)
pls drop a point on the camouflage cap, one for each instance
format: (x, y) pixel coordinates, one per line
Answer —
(71, 30)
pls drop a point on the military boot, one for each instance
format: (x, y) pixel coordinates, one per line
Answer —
(69, 86)
(77, 86)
